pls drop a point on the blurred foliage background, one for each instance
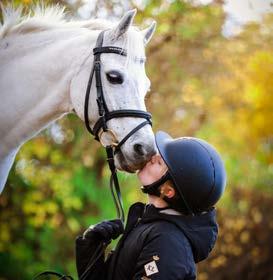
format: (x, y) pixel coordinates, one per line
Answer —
(204, 84)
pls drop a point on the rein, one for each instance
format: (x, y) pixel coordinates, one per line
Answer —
(100, 129)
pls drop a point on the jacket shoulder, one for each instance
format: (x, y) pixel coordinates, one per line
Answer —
(164, 227)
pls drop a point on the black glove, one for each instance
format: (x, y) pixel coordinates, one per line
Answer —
(105, 231)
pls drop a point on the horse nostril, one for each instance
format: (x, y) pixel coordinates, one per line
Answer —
(138, 148)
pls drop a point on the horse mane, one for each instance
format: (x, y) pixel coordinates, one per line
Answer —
(41, 18)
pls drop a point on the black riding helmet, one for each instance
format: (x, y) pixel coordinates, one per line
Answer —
(194, 167)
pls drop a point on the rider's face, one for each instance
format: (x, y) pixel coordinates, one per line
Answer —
(152, 171)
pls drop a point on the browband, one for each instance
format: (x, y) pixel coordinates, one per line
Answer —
(109, 49)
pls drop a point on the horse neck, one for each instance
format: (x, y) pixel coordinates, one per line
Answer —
(35, 79)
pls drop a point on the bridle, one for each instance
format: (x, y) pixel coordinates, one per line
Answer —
(100, 129)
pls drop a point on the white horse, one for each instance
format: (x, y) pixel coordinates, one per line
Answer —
(45, 63)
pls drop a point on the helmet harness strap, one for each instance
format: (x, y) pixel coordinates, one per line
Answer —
(153, 189)
(179, 204)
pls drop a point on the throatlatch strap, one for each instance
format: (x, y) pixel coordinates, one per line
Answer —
(86, 101)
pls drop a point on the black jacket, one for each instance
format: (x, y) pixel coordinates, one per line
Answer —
(155, 246)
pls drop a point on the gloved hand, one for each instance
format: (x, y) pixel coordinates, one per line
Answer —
(105, 230)
(91, 246)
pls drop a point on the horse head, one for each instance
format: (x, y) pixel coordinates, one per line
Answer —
(124, 84)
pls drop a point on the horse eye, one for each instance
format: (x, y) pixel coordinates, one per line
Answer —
(114, 77)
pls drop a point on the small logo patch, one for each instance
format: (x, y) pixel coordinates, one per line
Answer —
(151, 268)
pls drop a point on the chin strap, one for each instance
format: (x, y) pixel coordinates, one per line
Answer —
(153, 188)
(179, 204)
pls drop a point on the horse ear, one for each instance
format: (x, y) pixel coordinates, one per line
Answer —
(123, 24)
(149, 32)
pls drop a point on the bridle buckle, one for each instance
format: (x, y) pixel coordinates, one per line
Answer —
(108, 138)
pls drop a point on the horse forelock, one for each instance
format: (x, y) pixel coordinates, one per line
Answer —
(40, 18)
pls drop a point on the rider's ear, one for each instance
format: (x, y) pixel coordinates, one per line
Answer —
(123, 24)
(167, 191)
(148, 32)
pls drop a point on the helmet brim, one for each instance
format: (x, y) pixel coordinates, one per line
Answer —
(162, 139)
